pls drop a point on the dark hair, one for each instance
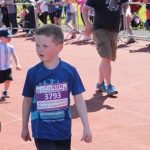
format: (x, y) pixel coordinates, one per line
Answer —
(51, 30)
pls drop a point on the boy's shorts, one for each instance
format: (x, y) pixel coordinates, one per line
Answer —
(71, 17)
(45, 144)
(106, 43)
(58, 13)
(5, 75)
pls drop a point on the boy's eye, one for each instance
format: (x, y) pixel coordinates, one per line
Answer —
(37, 45)
(45, 46)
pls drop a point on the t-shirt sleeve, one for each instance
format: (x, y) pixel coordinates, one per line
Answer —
(91, 3)
(77, 86)
(12, 50)
(28, 90)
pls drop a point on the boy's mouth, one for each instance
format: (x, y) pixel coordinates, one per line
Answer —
(41, 55)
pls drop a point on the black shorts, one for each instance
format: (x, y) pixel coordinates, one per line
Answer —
(45, 144)
(58, 13)
(5, 75)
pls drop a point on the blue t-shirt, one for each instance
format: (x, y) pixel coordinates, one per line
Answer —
(59, 6)
(52, 126)
(107, 13)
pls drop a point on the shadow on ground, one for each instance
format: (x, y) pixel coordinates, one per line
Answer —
(3, 100)
(144, 49)
(96, 103)
(78, 43)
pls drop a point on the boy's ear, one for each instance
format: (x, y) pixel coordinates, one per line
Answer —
(60, 47)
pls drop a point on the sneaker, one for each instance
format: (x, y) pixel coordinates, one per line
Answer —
(130, 40)
(111, 90)
(29, 34)
(86, 38)
(102, 87)
(6, 94)
(73, 36)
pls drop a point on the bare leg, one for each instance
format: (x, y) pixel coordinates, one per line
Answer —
(69, 25)
(55, 20)
(59, 21)
(10, 26)
(105, 70)
(101, 75)
(6, 85)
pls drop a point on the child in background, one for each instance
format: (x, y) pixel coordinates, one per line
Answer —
(50, 82)
(6, 50)
(71, 16)
(44, 11)
(58, 7)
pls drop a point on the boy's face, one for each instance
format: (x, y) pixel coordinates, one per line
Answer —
(46, 49)
(5, 40)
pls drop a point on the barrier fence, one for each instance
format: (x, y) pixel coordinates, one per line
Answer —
(140, 28)
(23, 17)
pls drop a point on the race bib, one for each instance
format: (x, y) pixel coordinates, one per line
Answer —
(52, 97)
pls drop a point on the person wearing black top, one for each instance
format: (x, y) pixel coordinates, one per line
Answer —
(105, 32)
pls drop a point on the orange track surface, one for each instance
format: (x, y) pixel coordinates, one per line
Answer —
(119, 123)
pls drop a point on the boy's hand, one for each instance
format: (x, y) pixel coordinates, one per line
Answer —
(87, 136)
(25, 135)
(18, 67)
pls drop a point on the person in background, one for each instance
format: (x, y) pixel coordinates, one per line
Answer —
(12, 14)
(51, 10)
(81, 3)
(105, 31)
(44, 11)
(71, 16)
(6, 51)
(58, 7)
(128, 18)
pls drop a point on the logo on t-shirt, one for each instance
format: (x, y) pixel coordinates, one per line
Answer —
(6, 51)
(113, 5)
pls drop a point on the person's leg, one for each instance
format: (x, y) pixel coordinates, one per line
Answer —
(128, 20)
(82, 18)
(59, 17)
(14, 23)
(51, 17)
(6, 85)
(63, 144)
(7, 79)
(45, 144)
(74, 24)
(68, 18)
(10, 21)
(106, 43)
(40, 16)
(105, 71)
(45, 17)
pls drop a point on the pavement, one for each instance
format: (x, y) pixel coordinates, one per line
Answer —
(117, 123)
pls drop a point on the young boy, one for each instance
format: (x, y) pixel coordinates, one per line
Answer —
(47, 95)
(6, 50)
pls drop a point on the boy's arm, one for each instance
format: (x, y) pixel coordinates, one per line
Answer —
(82, 111)
(26, 106)
(18, 67)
